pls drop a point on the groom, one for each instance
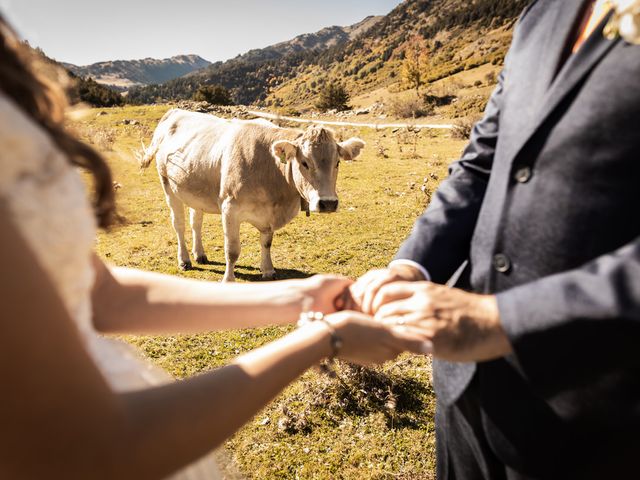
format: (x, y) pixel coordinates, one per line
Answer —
(537, 369)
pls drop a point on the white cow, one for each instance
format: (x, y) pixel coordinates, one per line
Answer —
(248, 171)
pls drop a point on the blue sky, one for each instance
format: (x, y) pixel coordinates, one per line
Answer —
(86, 31)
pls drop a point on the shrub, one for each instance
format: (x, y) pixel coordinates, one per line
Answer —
(213, 94)
(470, 106)
(289, 112)
(438, 100)
(409, 106)
(333, 96)
(462, 128)
(103, 138)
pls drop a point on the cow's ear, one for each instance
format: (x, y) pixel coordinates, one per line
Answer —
(284, 150)
(350, 149)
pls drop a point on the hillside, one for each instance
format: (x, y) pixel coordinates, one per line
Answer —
(368, 58)
(453, 36)
(124, 74)
(251, 75)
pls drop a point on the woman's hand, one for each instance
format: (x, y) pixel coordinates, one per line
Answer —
(324, 293)
(463, 326)
(366, 342)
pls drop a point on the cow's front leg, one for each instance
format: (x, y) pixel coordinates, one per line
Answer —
(266, 265)
(231, 226)
(196, 231)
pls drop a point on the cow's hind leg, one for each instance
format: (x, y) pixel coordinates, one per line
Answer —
(177, 220)
(266, 265)
(231, 226)
(196, 231)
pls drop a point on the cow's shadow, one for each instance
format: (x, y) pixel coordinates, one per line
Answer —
(198, 266)
(241, 271)
(201, 266)
(281, 274)
(219, 264)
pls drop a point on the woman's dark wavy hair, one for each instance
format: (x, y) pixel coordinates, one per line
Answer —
(45, 103)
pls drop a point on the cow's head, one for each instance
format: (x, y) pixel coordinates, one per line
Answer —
(315, 157)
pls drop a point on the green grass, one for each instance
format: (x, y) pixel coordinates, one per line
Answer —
(370, 424)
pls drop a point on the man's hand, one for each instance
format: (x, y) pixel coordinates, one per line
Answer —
(463, 327)
(366, 288)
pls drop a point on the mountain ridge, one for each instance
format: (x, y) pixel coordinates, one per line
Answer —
(125, 74)
(259, 68)
(324, 38)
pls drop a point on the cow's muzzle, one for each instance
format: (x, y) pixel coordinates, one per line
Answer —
(327, 206)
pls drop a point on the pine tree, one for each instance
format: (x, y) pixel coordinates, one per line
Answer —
(213, 94)
(333, 96)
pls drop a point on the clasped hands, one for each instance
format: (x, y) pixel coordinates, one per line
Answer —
(460, 326)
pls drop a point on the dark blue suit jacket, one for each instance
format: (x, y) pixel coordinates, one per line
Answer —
(545, 207)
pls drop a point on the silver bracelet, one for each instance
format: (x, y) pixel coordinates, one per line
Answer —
(307, 318)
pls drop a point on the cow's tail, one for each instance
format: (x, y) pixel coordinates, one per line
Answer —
(147, 154)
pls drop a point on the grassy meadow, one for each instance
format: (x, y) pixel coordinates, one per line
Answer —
(369, 424)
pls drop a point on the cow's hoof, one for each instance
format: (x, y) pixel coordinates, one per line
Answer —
(228, 279)
(184, 266)
(203, 260)
(269, 276)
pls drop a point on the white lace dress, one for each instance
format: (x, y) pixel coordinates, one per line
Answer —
(48, 203)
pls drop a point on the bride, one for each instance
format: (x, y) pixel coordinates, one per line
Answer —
(77, 405)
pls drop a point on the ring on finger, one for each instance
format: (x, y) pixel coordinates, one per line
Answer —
(404, 321)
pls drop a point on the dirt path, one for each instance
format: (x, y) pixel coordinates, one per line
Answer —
(272, 116)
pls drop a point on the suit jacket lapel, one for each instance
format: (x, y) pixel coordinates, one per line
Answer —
(577, 67)
(568, 15)
(574, 70)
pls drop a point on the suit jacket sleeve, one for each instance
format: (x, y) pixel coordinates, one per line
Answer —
(586, 321)
(441, 236)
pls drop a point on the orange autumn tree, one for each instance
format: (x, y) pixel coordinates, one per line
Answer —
(415, 62)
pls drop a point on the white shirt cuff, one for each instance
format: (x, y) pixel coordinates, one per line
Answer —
(415, 265)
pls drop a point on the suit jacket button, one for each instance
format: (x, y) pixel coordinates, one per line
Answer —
(523, 175)
(501, 263)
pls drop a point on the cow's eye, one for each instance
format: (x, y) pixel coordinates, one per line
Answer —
(304, 164)
(338, 164)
